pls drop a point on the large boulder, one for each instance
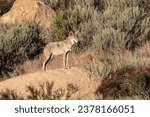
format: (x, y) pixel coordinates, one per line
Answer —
(30, 10)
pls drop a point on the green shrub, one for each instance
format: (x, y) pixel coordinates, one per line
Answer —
(64, 22)
(129, 22)
(120, 19)
(82, 18)
(89, 19)
(110, 39)
(18, 42)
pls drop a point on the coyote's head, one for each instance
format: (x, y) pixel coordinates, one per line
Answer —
(72, 38)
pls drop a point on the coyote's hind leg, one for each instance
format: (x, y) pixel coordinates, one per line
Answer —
(47, 58)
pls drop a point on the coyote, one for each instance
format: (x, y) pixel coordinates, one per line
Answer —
(59, 48)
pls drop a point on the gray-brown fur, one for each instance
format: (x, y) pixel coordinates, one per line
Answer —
(59, 48)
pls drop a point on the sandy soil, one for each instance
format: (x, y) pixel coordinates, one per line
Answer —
(61, 77)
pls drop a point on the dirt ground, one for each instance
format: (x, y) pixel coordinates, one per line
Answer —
(61, 78)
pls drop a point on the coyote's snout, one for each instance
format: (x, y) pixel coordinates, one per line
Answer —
(58, 48)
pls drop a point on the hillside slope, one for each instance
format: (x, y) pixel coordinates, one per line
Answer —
(60, 77)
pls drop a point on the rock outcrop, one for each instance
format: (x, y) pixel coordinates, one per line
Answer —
(30, 10)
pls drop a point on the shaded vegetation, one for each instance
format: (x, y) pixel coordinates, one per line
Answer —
(126, 83)
(9, 95)
(18, 42)
(5, 6)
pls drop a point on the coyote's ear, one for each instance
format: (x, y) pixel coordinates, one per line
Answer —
(70, 33)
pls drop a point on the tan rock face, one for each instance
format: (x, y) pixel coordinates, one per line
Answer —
(30, 10)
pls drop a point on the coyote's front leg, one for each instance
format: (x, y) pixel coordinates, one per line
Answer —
(65, 60)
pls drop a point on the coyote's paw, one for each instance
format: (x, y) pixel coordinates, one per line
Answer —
(67, 67)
